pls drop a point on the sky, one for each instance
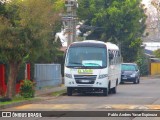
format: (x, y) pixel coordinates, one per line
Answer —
(146, 2)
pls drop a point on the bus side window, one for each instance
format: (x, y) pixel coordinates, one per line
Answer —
(111, 56)
(114, 57)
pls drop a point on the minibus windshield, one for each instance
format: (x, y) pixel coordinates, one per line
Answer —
(86, 57)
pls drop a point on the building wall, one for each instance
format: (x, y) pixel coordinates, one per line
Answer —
(155, 68)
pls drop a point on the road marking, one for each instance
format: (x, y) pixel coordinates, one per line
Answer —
(87, 106)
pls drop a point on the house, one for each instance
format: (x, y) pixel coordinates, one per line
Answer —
(149, 48)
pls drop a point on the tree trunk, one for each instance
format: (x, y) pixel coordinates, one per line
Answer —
(11, 84)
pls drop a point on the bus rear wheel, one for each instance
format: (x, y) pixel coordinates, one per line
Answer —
(114, 90)
(69, 91)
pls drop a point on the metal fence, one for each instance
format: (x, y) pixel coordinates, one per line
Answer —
(47, 75)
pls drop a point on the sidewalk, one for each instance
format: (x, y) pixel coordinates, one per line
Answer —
(150, 76)
(45, 91)
(38, 96)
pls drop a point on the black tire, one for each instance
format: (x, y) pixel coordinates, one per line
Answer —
(69, 91)
(105, 92)
(109, 88)
(114, 90)
(136, 81)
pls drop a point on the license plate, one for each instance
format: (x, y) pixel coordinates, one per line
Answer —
(124, 78)
(85, 81)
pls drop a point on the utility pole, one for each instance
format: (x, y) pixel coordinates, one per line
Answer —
(70, 20)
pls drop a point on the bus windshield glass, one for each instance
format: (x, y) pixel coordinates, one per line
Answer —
(90, 57)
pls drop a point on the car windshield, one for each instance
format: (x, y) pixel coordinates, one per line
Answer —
(86, 57)
(128, 67)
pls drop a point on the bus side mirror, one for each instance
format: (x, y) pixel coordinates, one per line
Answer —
(110, 56)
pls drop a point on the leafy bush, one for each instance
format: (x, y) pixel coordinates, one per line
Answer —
(157, 53)
(27, 89)
(143, 63)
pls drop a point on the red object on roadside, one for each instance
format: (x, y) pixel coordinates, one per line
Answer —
(18, 87)
(28, 71)
(3, 87)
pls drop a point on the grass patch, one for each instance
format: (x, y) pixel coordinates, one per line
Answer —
(59, 93)
(16, 99)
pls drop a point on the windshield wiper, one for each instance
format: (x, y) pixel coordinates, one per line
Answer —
(77, 63)
(80, 65)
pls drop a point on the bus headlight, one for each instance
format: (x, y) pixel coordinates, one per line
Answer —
(102, 76)
(68, 75)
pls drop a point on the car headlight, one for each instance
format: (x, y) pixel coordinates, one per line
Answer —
(102, 76)
(133, 75)
(68, 75)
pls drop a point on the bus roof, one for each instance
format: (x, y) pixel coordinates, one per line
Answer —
(87, 43)
(112, 46)
(95, 43)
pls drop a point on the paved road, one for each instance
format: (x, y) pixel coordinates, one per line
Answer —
(143, 96)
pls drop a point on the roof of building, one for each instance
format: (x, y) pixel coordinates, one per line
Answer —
(150, 47)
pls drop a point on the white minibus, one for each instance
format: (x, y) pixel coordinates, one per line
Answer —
(92, 66)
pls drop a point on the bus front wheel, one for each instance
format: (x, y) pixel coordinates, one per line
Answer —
(69, 91)
(105, 91)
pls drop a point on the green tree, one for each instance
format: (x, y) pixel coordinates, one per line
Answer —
(143, 62)
(157, 53)
(25, 31)
(118, 21)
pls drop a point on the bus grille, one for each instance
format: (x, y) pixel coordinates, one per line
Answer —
(85, 79)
